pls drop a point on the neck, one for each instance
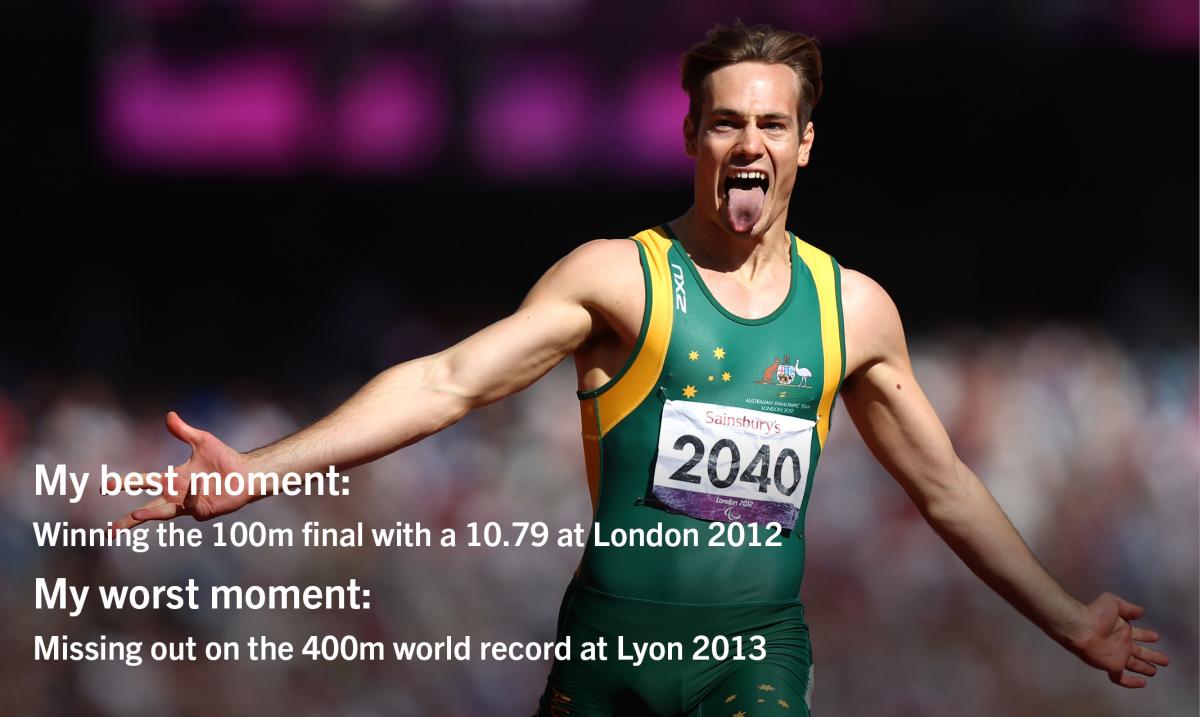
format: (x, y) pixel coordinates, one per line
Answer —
(710, 246)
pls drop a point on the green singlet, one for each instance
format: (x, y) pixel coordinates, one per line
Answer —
(700, 455)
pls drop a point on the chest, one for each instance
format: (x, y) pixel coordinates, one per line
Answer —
(772, 362)
(752, 300)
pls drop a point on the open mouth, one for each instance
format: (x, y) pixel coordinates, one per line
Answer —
(748, 179)
(745, 195)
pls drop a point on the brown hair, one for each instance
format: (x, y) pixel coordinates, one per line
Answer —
(759, 43)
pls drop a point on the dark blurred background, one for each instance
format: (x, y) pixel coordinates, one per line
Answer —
(242, 209)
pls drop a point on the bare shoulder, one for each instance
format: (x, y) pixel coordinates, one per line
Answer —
(597, 272)
(863, 296)
(605, 255)
(872, 322)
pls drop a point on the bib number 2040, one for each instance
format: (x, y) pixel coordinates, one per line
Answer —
(731, 464)
(784, 471)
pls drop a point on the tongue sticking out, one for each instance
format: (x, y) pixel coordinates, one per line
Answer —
(743, 207)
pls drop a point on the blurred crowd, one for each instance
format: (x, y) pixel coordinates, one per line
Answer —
(1091, 447)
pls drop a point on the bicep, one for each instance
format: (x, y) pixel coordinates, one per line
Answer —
(512, 353)
(562, 311)
(884, 400)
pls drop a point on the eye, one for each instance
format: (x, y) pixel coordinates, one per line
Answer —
(723, 124)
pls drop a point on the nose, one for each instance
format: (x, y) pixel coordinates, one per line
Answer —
(750, 144)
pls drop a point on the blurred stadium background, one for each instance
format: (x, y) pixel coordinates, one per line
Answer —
(242, 209)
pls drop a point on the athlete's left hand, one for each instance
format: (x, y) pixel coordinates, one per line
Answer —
(1108, 640)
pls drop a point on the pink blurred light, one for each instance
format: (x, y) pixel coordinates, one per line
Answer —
(1163, 25)
(651, 135)
(828, 21)
(247, 112)
(391, 116)
(532, 121)
(262, 10)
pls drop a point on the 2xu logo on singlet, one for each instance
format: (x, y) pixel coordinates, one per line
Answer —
(731, 464)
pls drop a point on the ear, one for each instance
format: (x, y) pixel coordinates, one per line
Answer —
(689, 137)
(806, 142)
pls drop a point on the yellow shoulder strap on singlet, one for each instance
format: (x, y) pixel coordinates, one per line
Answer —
(601, 412)
(639, 379)
(821, 266)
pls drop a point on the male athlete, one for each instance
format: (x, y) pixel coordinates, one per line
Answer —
(709, 352)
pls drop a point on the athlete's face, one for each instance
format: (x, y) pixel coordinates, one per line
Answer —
(748, 146)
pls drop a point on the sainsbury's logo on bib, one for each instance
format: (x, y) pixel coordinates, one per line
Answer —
(742, 420)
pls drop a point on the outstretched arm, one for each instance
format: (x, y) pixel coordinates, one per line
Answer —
(417, 398)
(903, 432)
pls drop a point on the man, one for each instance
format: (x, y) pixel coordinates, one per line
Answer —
(709, 353)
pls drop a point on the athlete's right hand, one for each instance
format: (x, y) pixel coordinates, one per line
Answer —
(209, 454)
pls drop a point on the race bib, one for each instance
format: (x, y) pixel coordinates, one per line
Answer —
(731, 464)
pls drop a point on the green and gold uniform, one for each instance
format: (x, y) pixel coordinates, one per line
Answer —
(700, 455)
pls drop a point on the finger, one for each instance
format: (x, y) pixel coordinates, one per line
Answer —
(159, 509)
(1128, 610)
(1141, 667)
(130, 520)
(1142, 634)
(1126, 680)
(1150, 655)
(127, 521)
(182, 430)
